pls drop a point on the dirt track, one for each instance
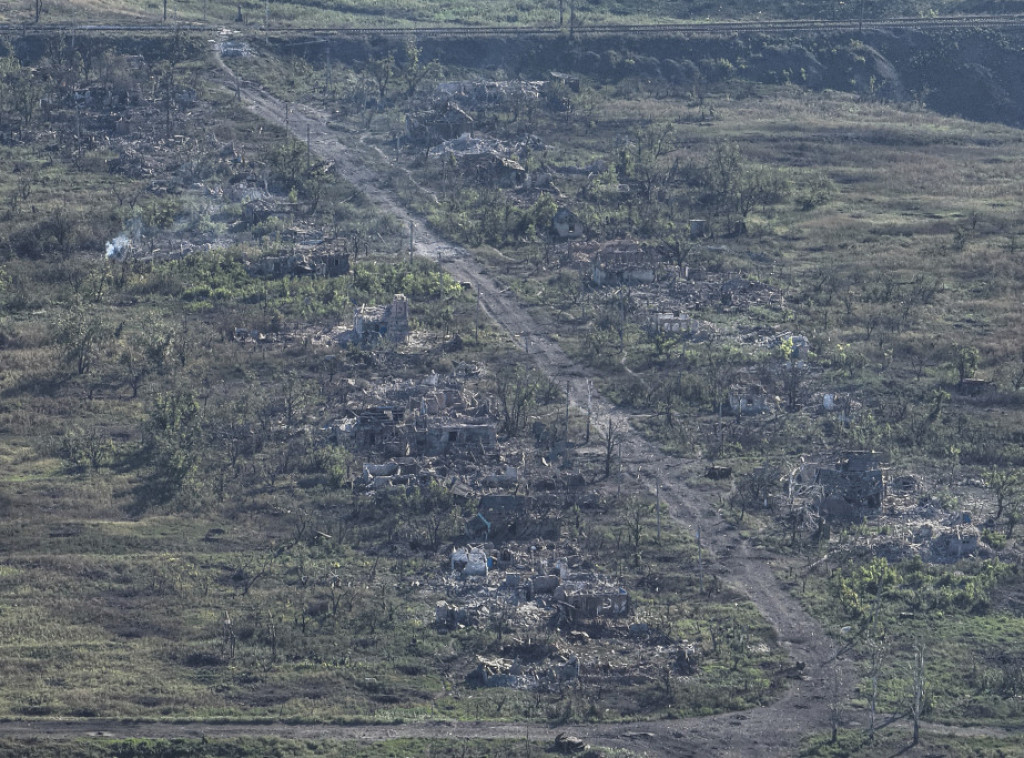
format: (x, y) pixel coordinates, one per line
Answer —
(774, 729)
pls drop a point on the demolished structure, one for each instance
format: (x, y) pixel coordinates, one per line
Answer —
(621, 262)
(371, 323)
(840, 489)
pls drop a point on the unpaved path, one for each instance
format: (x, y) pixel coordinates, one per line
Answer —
(774, 729)
(771, 730)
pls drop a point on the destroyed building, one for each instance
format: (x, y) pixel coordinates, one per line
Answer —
(390, 322)
(488, 161)
(427, 418)
(749, 399)
(502, 517)
(566, 224)
(587, 600)
(841, 488)
(445, 122)
(621, 262)
(671, 322)
(479, 94)
(444, 438)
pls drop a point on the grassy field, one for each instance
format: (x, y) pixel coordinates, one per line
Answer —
(279, 748)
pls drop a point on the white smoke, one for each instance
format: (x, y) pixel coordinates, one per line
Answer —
(118, 247)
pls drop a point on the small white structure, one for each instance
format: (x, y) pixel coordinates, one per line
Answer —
(469, 561)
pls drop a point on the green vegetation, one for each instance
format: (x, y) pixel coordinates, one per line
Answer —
(855, 744)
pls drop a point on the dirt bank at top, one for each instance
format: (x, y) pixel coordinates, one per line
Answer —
(977, 74)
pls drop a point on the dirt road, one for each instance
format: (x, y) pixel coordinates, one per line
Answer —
(773, 730)
(770, 730)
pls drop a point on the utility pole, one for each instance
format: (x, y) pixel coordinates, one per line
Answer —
(590, 388)
(657, 502)
(618, 487)
(700, 560)
(567, 413)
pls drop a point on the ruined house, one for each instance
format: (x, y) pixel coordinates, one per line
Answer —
(390, 322)
(858, 476)
(582, 600)
(470, 561)
(621, 263)
(798, 345)
(502, 672)
(447, 121)
(444, 439)
(569, 80)
(488, 161)
(748, 399)
(494, 170)
(566, 225)
(506, 516)
(479, 94)
(840, 489)
(699, 228)
(478, 527)
(671, 322)
(378, 425)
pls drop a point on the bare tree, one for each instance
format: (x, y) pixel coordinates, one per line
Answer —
(1005, 485)
(612, 438)
(634, 518)
(836, 698)
(877, 656)
(918, 683)
(516, 390)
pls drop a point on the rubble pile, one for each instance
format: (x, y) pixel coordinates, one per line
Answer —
(477, 94)
(526, 592)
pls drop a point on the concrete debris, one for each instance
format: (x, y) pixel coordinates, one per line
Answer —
(470, 561)
(502, 672)
(487, 94)
(568, 745)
